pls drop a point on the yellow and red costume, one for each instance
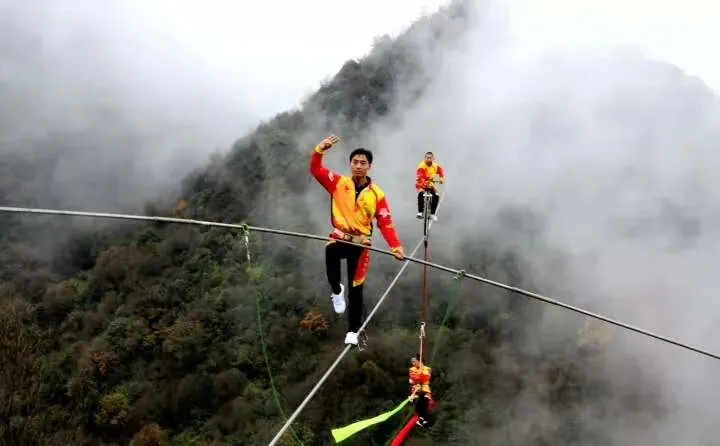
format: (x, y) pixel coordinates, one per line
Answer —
(425, 176)
(352, 213)
(419, 378)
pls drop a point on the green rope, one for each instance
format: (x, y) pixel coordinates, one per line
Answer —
(451, 304)
(256, 292)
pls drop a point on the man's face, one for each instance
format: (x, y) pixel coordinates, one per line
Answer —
(428, 159)
(413, 361)
(359, 165)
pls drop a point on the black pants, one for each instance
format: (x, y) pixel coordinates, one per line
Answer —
(335, 252)
(421, 406)
(433, 201)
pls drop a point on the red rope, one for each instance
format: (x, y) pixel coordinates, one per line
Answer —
(404, 432)
(424, 304)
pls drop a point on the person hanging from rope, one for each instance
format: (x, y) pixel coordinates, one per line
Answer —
(427, 170)
(420, 393)
(354, 202)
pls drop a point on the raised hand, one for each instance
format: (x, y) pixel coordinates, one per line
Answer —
(328, 142)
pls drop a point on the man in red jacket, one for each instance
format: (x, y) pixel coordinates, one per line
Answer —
(427, 170)
(419, 377)
(355, 202)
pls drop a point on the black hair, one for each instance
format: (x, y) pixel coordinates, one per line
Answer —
(429, 153)
(362, 151)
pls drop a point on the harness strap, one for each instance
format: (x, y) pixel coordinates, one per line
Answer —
(360, 239)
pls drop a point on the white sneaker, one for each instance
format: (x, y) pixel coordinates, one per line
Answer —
(351, 338)
(434, 217)
(338, 300)
(418, 215)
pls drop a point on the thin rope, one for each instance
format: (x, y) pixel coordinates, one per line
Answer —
(407, 259)
(423, 305)
(422, 341)
(339, 358)
(423, 292)
(448, 310)
(263, 343)
(426, 230)
(451, 305)
(332, 367)
(423, 298)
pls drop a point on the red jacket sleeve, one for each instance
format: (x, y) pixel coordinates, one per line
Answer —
(441, 172)
(326, 177)
(386, 225)
(420, 178)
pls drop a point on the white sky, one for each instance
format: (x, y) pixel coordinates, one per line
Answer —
(685, 33)
(282, 49)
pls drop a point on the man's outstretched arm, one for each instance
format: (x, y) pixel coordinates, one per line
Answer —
(326, 177)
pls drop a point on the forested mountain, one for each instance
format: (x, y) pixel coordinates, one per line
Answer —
(157, 334)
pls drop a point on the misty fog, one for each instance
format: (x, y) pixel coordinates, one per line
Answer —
(109, 103)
